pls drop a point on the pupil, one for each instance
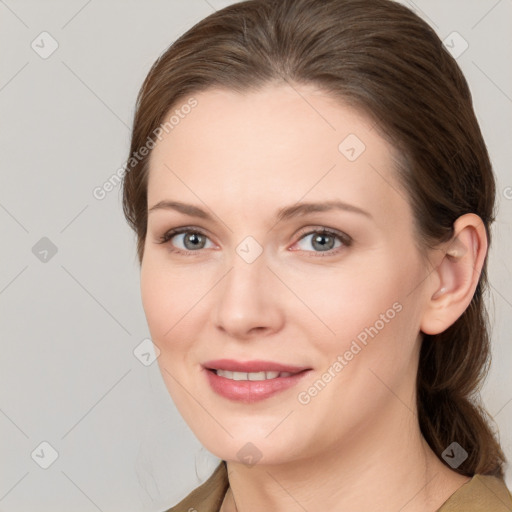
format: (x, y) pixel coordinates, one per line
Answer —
(323, 245)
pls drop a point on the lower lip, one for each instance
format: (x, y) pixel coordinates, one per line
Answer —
(250, 391)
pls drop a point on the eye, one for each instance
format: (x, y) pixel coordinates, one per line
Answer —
(186, 240)
(324, 240)
(189, 240)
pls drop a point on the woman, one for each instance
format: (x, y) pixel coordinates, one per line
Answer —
(312, 199)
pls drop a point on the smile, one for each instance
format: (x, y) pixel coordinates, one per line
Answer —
(251, 381)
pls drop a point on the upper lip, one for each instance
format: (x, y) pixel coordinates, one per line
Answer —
(252, 366)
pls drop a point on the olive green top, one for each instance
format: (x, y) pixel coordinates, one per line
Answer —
(483, 493)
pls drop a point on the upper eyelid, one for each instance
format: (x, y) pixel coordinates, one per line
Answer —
(343, 237)
(171, 233)
(322, 229)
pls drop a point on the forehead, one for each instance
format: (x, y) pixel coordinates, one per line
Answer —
(290, 141)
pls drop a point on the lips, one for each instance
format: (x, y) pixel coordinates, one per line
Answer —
(242, 381)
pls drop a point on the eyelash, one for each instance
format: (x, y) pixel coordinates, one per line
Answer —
(344, 238)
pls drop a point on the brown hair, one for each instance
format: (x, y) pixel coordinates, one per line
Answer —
(381, 58)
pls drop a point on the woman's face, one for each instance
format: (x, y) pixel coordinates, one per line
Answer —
(260, 288)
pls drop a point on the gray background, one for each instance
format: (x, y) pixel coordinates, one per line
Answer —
(70, 321)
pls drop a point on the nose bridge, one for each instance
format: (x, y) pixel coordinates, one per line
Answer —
(246, 298)
(243, 283)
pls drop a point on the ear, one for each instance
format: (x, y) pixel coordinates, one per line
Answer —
(454, 280)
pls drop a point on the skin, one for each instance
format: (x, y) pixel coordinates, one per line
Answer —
(241, 158)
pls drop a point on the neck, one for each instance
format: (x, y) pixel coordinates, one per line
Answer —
(390, 467)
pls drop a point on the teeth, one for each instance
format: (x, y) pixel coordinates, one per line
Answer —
(257, 376)
(251, 375)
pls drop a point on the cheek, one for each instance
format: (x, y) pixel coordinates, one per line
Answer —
(167, 294)
(366, 315)
(167, 299)
(346, 300)
(155, 303)
(175, 311)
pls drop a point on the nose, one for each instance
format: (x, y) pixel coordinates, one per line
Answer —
(248, 300)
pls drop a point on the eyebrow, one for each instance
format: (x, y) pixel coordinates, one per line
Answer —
(282, 214)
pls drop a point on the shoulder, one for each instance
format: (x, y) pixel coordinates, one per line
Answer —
(483, 493)
(208, 496)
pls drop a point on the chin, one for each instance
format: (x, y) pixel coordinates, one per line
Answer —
(256, 445)
(251, 453)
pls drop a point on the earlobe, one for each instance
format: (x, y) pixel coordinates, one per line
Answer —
(456, 276)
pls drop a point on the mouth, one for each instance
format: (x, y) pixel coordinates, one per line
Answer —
(251, 381)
